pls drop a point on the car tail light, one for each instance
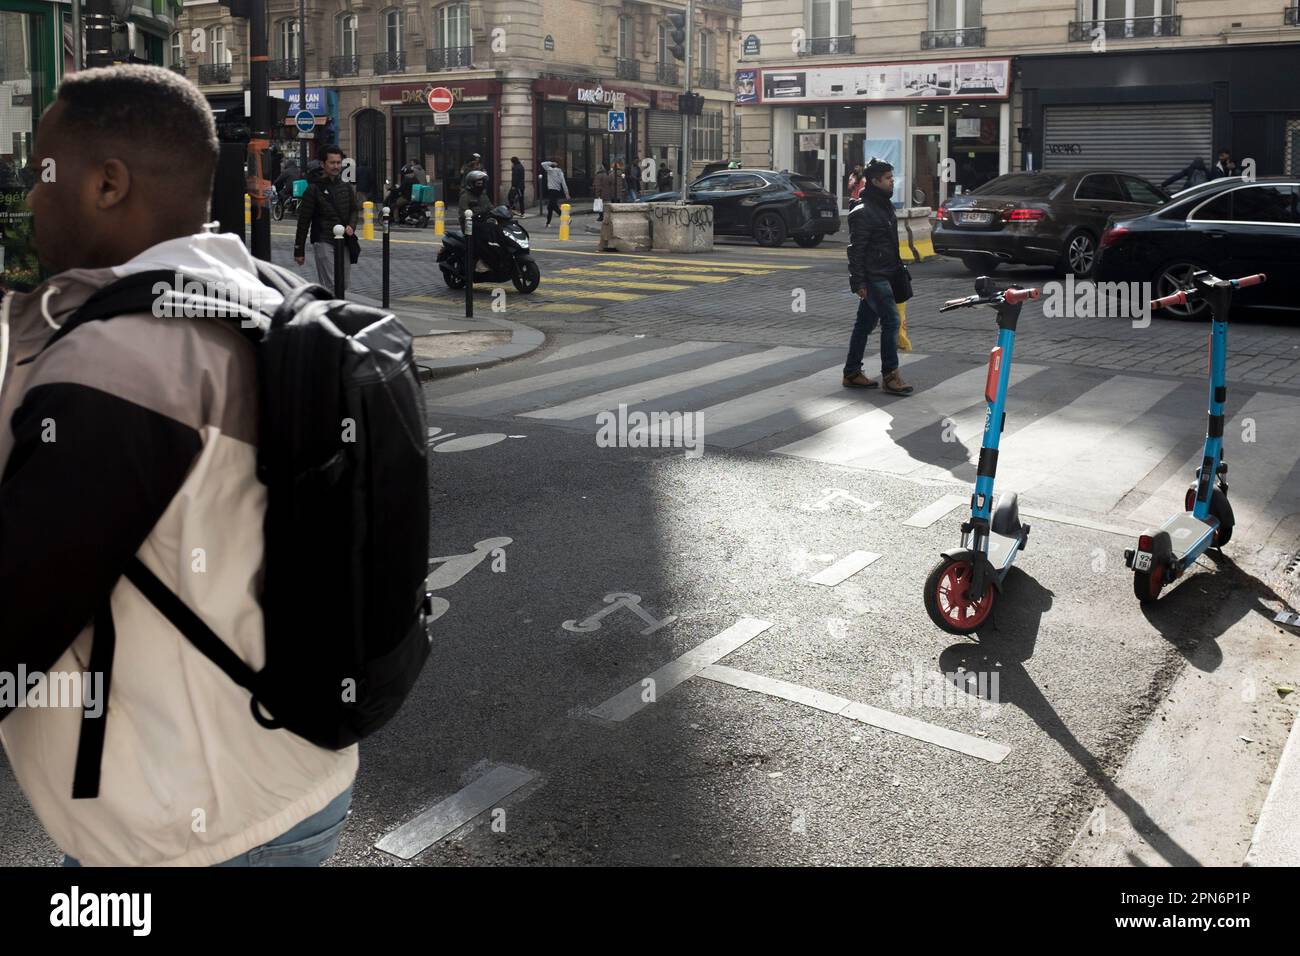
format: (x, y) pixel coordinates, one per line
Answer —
(1023, 215)
(800, 194)
(942, 214)
(1113, 235)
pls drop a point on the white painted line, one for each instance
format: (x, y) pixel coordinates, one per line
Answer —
(417, 835)
(932, 513)
(844, 568)
(885, 720)
(632, 699)
(585, 347)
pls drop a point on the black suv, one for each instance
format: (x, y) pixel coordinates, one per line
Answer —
(767, 205)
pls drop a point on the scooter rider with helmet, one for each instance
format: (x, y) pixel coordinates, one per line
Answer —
(474, 198)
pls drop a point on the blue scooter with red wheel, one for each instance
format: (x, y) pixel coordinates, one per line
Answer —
(960, 591)
(1163, 554)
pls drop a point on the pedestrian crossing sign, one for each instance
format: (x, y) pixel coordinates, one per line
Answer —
(617, 121)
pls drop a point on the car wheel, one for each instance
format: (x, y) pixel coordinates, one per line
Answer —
(809, 241)
(1079, 256)
(769, 229)
(980, 265)
(1170, 278)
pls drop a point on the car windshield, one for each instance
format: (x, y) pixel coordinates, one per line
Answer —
(1022, 185)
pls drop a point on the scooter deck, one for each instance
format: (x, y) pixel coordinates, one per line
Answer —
(1002, 551)
(1186, 533)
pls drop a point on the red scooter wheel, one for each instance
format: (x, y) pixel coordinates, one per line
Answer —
(948, 600)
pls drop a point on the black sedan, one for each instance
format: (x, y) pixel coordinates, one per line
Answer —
(1231, 227)
(767, 205)
(1039, 219)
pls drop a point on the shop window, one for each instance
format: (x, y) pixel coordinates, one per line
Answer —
(597, 119)
(553, 114)
(810, 118)
(392, 32)
(974, 141)
(735, 135)
(576, 117)
(1293, 147)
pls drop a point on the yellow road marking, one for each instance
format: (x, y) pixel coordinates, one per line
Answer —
(626, 257)
(653, 286)
(647, 275)
(611, 296)
(560, 307)
(739, 270)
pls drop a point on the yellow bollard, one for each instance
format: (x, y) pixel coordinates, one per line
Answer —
(248, 210)
(564, 220)
(367, 220)
(439, 218)
(903, 341)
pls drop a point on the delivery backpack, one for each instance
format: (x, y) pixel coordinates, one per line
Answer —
(342, 453)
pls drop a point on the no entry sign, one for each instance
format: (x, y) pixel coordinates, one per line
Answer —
(440, 99)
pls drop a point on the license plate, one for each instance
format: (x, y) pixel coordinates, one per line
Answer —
(828, 214)
(1141, 561)
(976, 218)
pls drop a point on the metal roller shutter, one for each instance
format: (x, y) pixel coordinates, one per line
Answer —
(1153, 140)
(665, 128)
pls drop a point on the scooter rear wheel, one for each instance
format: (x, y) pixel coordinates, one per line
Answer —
(1147, 585)
(454, 275)
(948, 600)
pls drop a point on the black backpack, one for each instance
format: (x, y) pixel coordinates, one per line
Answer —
(347, 521)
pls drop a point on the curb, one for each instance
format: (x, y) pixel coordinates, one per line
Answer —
(1276, 841)
(523, 340)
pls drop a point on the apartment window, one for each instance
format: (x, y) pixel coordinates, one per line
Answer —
(176, 49)
(451, 23)
(217, 44)
(290, 36)
(347, 38)
(1126, 9)
(956, 14)
(705, 52)
(625, 38)
(392, 20)
(706, 136)
(664, 56)
(830, 18)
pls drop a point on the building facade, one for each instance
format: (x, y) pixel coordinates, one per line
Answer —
(954, 92)
(532, 79)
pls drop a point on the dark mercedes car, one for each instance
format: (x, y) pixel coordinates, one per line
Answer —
(1230, 227)
(1040, 219)
(767, 205)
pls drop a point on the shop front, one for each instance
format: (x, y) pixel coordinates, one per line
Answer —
(1152, 112)
(944, 125)
(443, 149)
(579, 127)
(323, 104)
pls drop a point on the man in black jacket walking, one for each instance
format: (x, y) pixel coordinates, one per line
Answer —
(516, 197)
(328, 202)
(873, 261)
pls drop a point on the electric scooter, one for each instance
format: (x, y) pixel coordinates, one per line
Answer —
(960, 591)
(1163, 554)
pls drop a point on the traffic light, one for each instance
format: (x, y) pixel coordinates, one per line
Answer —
(677, 36)
(690, 104)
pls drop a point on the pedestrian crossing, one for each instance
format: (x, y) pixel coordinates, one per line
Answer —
(589, 285)
(1088, 442)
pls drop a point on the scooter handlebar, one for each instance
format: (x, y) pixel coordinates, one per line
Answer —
(1014, 296)
(1178, 298)
(1245, 281)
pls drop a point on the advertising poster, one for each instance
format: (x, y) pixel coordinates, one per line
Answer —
(19, 268)
(884, 82)
(746, 86)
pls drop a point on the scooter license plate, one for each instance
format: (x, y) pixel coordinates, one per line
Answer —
(1141, 561)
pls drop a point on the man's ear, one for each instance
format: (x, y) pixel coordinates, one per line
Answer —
(112, 183)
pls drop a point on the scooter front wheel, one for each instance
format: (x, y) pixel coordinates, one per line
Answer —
(527, 276)
(948, 600)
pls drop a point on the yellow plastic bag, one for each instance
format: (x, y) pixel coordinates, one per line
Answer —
(904, 342)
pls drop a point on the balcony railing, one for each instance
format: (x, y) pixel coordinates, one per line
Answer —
(709, 79)
(178, 66)
(448, 58)
(666, 73)
(1291, 16)
(627, 69)
(390, 62)
(821, 46)
(214, 73)
(1126, 28)
(345, 65)
(283, 69)
(947, 39)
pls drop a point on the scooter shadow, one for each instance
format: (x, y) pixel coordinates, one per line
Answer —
(1004, 646)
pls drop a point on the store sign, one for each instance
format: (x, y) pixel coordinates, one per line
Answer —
(599, 96)
(316, 99)
(417, 94)
(967, 79)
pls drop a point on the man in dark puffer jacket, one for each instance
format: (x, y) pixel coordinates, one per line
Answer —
(873, 260)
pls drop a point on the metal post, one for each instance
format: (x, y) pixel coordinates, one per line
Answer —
(684, 161)
(469, 264)
(302, 77)
(77, 59)
(99, 33)
(340, 250)
(386, 214)
(259, 93)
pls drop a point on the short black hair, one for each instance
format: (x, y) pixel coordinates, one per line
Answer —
(1224, 149)
(877, 168)
(332, 148)
(157, 117)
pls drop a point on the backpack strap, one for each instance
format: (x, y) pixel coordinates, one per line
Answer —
(90, 743)
(132, 293)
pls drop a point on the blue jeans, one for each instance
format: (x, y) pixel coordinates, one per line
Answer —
(310, 843)
(877, 306)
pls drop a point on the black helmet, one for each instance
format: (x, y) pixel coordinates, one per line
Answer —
(476, 181)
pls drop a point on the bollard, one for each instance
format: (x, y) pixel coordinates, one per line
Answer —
(564, 220)
(248, 210)
(368, 220)
(439, 218)
(386, 213)
(340, 251)
(469, 264)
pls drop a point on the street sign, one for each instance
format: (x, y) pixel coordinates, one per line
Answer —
(306, 134)
(441, 119)
(305, 120)
(617, 121)
(752, 45)
(440, 99)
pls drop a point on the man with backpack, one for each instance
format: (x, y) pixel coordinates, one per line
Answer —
(148, 549)
(328, 202)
